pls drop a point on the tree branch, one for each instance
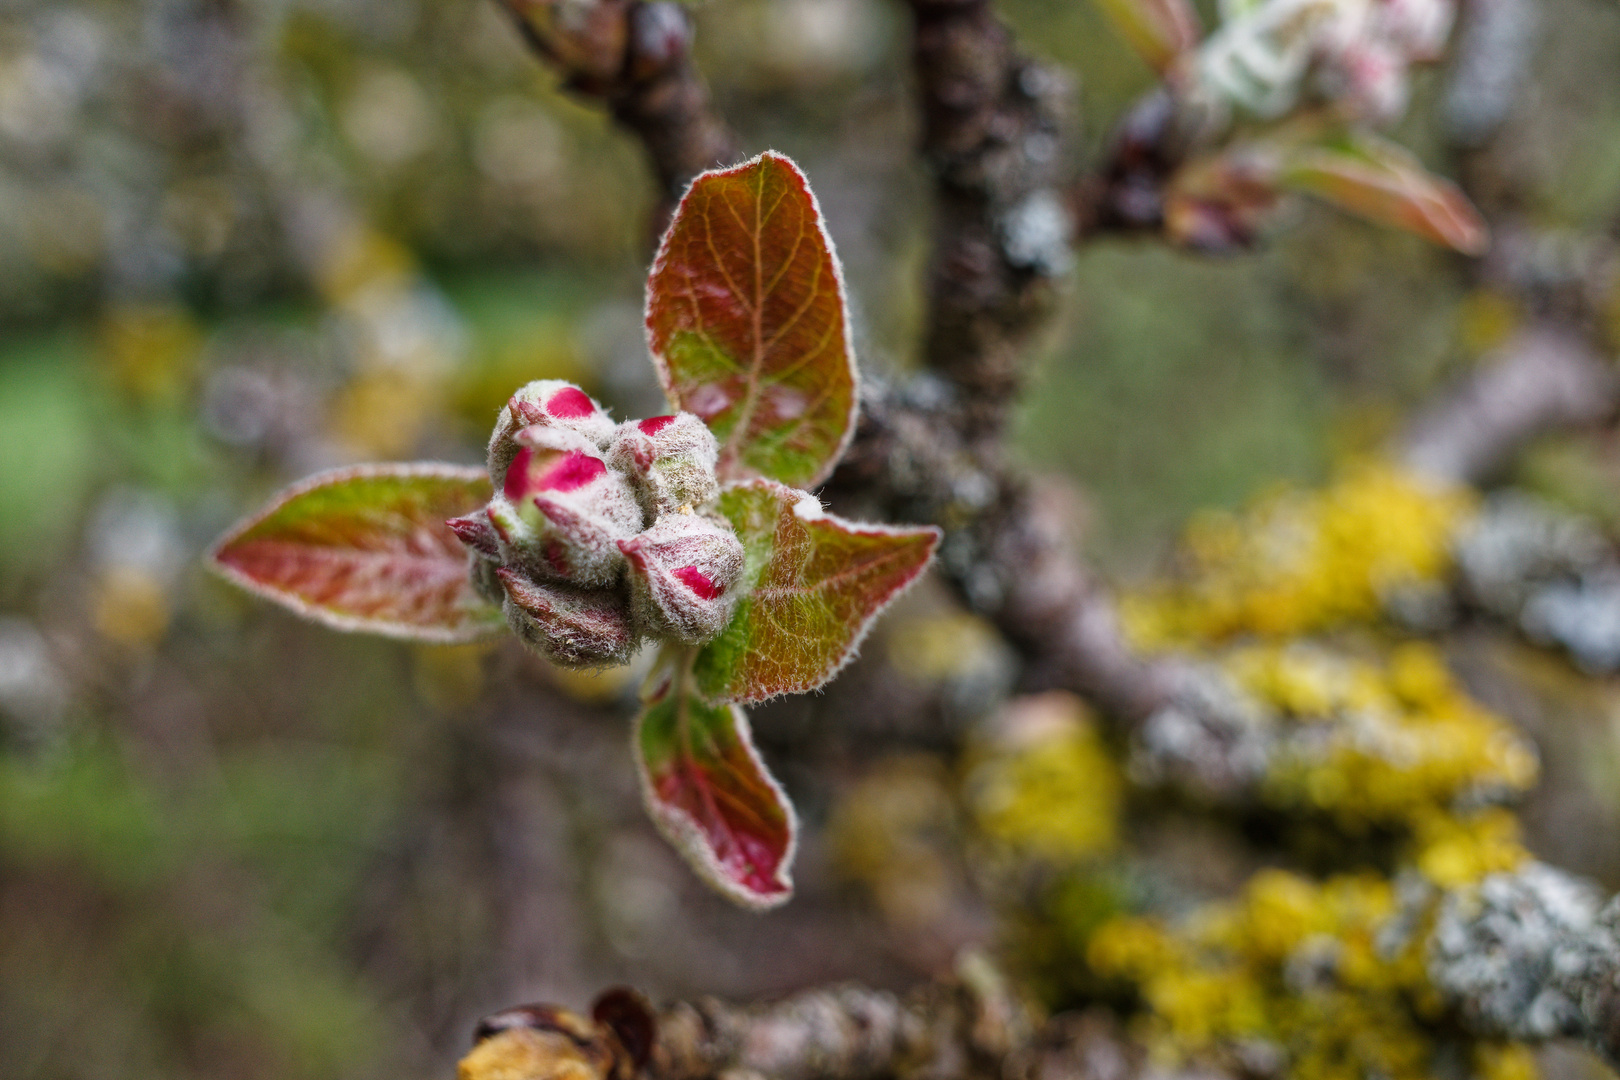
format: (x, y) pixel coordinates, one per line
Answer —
(993, 132)
(1532, 956)
(1545, 378)
(968, 1028)
(635, 56)
(1529, 956)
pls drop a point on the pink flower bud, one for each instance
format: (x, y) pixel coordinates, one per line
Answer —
(1370, 81)
(546, 403)
(568, 625)
(483, 553)
(561, 509)
(681, 575)
(670, 460)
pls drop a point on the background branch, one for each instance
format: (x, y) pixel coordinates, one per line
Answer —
(636, 58)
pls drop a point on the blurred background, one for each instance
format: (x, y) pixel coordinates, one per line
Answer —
(241, 240)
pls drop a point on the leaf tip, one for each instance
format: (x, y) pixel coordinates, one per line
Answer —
(714, 799)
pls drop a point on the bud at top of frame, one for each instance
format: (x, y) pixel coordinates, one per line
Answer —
(670, 461)
(546, 403)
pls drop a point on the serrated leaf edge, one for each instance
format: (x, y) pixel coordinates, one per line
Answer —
(661, 364)
(808, 508)
(349, 623)
(686, 838)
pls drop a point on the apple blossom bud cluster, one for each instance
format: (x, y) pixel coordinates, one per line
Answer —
(597, 535)
(1355, 53)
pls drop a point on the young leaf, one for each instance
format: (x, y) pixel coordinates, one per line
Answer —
(1376, 179)
(1160, 30)
(746, 320)
(711, 795)
(812, 586)
(367, 548)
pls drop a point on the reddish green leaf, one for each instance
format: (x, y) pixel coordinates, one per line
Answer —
(710, 794)
(812, 586)
(367, 548)
(1160, 30)
(746, 319)
(1382, 182)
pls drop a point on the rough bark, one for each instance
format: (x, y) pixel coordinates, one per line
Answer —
(968, 1028)
(993, 133)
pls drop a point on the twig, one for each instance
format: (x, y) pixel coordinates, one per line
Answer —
(635, 57)
(1545, 378)
(969, 1028)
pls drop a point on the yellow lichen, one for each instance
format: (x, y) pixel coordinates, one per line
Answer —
(1394, 742)
(893, 832)
(1456, 851)
(1046, 786)
(1302, 561)
(1379, 742)
(1504, 1061)
(1301, 966)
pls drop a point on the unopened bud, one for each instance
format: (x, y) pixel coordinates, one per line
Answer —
(681, 575)
(546, 403)
(660, 34)
(586, 39)
(561, 509)
(568, 624)
(669, 459)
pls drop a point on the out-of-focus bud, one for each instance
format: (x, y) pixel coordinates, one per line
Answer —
(568, 625)
(586, 39)
(1370, 81)
(1418, 28)
(545, 403)
(681, 575)
(660, 34)
(1356, 52)
(670, 461)
(561, 509)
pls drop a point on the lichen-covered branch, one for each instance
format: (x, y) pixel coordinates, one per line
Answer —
(1528, 956)
(1531, 956)
(968, 1028)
